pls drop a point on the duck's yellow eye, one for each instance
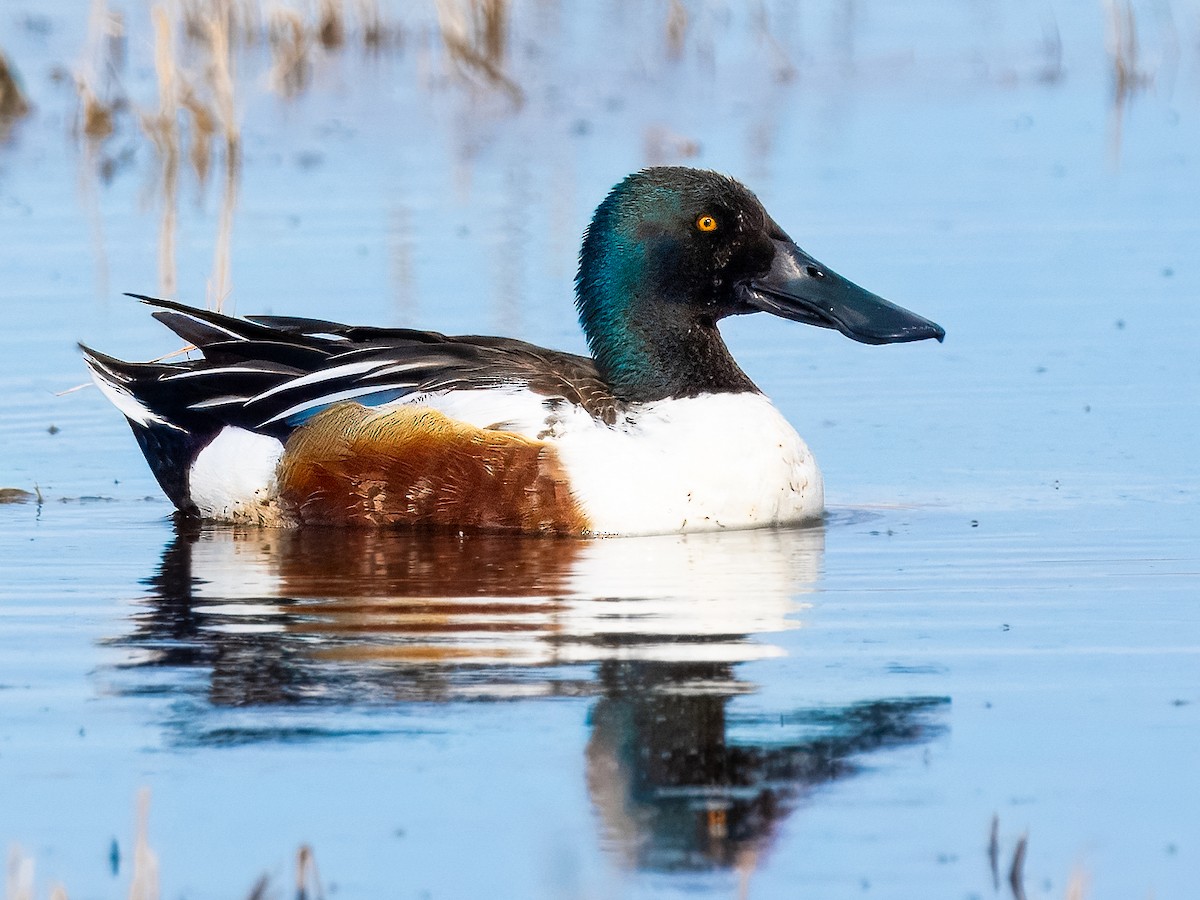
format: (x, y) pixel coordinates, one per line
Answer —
(706, 223)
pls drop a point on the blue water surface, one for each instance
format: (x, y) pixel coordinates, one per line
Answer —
(993, 639)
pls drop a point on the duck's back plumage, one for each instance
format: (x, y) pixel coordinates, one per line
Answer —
(270, 373)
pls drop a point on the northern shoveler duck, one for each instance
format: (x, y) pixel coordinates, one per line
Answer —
(292, 421)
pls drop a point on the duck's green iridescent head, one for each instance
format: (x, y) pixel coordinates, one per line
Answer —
(673, 250)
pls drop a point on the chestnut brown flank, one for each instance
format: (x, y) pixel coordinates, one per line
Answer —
(416, 466)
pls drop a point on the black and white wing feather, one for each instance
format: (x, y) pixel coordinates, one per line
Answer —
(268, 374)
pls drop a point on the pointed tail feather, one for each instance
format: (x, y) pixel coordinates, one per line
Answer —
(114, 378)
(169, 447)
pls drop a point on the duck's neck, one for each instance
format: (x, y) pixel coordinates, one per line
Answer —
(649, 341)
(650, 354)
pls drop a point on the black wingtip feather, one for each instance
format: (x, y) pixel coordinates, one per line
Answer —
(111, 367)
(203, 326)
(193, 330)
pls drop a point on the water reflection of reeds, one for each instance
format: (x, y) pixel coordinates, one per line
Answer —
(13, 102)
(195, 45)
(476, 37)
(507, 61)
(193, 124)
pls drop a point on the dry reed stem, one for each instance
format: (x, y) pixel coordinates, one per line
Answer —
(238, 18)
(104, 57)
(746, 864)
(1078, 884)
(144, 885)
(373, 30)
(222, 85)
(96, 126)
(18, 885)
(677, 24)
(185, 349)
(97, 115)
(331, 24)
(13, 103)
(219, 286)
(287, 29)
(290, 51)
(167, 73)
(100, 98)
(307, 875)
(72, 390)
(491, 18)
(163, 130)
(18, 882)
(221, 77)
(1123, 48)
(477, 41)
(203, 127)
(1127, 75)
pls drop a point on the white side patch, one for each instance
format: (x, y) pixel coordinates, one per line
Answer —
(695, 464)
(513, 408)
(233, 478)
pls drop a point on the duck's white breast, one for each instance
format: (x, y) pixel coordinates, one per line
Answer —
(695, 464)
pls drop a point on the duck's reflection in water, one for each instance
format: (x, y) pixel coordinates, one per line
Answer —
(655, 628)
(678, 789)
